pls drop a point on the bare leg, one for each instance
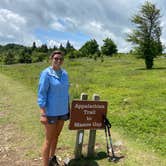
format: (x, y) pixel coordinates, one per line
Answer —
(57, 130)
(49, 131)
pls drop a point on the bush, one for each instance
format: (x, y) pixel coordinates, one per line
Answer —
(8, 58)
(38, 57)
(74, 54)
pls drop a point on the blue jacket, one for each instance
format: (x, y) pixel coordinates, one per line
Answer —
(53, 92)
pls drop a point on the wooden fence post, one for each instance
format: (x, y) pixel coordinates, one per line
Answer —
(92, 133)
(80, 135)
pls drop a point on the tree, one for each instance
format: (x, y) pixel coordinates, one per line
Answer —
(109, 47)
(61, 48)
(9, 58)
(90, 48)
(38, 56)
(146, 35)
(34, 46)
(43, 48)
(55, 47)
(74, 54)
(69, 47)
(25, 56)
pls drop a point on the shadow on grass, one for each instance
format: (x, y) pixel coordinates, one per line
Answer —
(155, 68)
(86, 161)
(82, 162)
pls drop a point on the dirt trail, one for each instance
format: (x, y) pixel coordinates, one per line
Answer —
(12, 152)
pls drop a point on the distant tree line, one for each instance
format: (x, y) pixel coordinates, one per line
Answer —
(145, 36)
(15, 53)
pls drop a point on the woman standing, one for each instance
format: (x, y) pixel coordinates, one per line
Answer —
(53, 100)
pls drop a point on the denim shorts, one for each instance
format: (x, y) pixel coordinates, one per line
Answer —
(53, 119)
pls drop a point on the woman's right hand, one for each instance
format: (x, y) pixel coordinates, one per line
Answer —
(43, 120)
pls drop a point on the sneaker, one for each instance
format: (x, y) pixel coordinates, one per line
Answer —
(50, 163)
(66, 161)
(53, 161)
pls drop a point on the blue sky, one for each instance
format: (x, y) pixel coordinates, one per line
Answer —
(45, 35)
(53, 22)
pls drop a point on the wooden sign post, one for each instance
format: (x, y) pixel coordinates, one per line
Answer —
(92, 133)
(87, 115)
(80, 135)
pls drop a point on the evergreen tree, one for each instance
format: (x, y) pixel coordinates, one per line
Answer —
(69, 47)
(109, 47)
(55, 48)
(90, 48)
(25, 56)
(61, 48)
(146, 35)
(9, 58)
(43, 48)
(34, 46)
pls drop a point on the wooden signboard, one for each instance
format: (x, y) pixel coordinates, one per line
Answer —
(87, 114)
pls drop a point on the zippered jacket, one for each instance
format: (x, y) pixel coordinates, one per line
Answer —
(53, 93)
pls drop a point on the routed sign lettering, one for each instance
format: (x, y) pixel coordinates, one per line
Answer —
(87, 114)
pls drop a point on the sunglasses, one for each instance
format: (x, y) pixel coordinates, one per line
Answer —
(56, 59)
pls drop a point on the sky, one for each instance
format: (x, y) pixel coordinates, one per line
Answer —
(53, 22)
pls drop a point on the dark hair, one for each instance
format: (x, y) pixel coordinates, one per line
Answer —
(56, 52)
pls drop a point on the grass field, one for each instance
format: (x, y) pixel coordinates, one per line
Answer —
(137, 107)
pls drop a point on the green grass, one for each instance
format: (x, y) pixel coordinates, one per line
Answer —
(137, 107)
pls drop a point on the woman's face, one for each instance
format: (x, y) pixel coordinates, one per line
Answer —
(57, 61)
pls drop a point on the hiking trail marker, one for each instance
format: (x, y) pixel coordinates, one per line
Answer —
(87, 115)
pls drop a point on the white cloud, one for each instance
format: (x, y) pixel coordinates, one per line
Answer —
(19, 19)
(10, 21)
(38, 43)
(7, 15)
(96, 30)
(52, 43)
(13, 28)
(57, 26)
